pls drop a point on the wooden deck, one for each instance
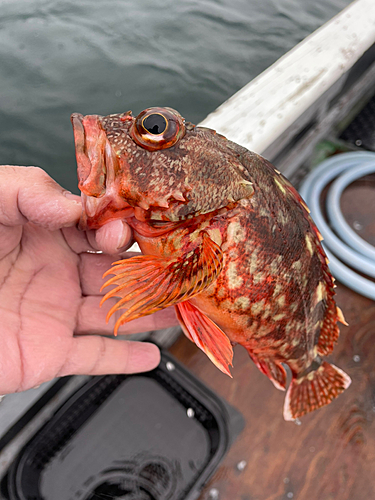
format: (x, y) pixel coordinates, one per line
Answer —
(331, 454)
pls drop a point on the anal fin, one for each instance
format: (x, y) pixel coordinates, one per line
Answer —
(314, 390)
(275, 372)
(206, 335)
(273, 369)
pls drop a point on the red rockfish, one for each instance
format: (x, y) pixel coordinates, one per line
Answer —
(225, 238)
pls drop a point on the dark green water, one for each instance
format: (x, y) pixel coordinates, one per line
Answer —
(101, 57)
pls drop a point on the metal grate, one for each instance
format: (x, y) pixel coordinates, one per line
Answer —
(152, 436)
(361, 131)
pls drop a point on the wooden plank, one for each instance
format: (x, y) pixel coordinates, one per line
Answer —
(331, 455)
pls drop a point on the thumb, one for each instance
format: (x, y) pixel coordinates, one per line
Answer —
(29, 194)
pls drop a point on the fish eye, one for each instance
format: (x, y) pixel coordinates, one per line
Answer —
(155, 123)
(157, 128)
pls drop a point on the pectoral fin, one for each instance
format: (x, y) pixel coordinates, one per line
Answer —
(206, 335)
(147, 283)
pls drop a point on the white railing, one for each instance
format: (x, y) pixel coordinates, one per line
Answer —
(267, 106)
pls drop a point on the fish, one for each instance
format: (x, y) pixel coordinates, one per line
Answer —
(225, 239)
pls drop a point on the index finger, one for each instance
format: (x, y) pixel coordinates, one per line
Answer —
(29, 194)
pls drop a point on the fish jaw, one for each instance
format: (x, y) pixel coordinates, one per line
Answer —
(97, 165)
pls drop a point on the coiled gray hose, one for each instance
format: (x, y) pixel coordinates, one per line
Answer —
(347, 247)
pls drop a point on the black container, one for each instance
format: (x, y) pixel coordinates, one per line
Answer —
(150, 436)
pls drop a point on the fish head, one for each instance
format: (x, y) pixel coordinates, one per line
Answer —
(155, 167)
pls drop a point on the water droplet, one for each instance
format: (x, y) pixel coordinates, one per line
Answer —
(190, 412)
(241, 465)
(312, 449)
(356, 358)
(357, 225)
(290, 494)
(286, 480)
(118, 93)
(170, 366)
(297, 421)
(358, 142)
(213, 494)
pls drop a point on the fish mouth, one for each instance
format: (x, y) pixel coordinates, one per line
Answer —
(97, 164)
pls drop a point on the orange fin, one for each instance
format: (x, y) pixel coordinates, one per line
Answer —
(314, 390)
(328, 337)
(340, 317)
(148, 283)
(273, 369)
(329, 332)
(206, 335)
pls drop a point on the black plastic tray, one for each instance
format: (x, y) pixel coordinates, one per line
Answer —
(152, 436)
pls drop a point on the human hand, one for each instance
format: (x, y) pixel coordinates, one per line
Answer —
(49, 288)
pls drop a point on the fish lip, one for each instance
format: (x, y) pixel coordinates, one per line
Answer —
(79, 140)
(98, 211)
(147, 230)
(89, 140)
(78, 132)
(76, 116)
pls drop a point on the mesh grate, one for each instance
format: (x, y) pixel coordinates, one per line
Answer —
(361, 131)
(153, 436)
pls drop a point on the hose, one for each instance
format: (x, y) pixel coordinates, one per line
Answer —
(345, 247)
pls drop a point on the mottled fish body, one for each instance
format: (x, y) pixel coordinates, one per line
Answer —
(225, 238)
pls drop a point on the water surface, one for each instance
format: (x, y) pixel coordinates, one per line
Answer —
(59, 57)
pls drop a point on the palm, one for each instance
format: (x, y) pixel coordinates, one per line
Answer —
(41, 299)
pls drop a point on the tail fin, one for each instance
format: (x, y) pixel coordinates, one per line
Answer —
(314, 390)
